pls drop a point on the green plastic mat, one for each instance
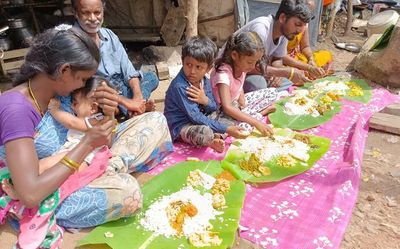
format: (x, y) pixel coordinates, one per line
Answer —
(362, 83)
(128, 233)
(320, 146)
(299, 122)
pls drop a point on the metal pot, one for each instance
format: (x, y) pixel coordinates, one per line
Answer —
(23, 37)
(21, 34)
(17, 1)
(17, 23)
(5, 42)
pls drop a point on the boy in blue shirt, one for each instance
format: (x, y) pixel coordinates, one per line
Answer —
(189, 100)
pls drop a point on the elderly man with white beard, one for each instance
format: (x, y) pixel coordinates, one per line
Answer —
(115, 66)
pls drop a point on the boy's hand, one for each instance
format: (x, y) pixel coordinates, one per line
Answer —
(236, 132)
(197, 95)
(54, 104)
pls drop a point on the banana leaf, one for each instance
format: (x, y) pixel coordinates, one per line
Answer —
(364, 85)
(128, 233)
(319, 146)
(299, 122)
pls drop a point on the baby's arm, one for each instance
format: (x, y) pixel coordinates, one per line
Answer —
(68, 120)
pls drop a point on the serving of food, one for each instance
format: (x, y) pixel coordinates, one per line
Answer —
(317, 102)
(184, 207)
(268, 159)
(351, 89)
(305, 109)
(305, 102)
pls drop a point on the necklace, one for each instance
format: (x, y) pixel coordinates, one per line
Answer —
(34, 98)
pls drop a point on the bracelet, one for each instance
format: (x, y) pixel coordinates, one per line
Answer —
(88, 124)
(98, 116)
(70, 163)
(291, 74)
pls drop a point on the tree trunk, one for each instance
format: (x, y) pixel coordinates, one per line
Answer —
(192, 14)
(329, 28)
(349, 22)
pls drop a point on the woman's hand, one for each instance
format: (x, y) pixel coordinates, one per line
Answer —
(312, 62)
(236, 132)
(100, 134)
(264, 129)
(107, 98)
(315, 72)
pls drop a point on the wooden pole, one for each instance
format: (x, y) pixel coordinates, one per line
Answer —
(349, 22)
(192, 14)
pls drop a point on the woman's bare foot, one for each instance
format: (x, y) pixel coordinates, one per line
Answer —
(8, 188)
(268, 110)
(218, 145)
(150, 106)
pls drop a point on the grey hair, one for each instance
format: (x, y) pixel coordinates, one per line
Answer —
(74, 4)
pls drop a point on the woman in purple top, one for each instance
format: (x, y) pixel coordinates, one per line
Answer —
(59, 61)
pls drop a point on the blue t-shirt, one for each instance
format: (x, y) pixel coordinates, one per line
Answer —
(181, 111)
(115, 65)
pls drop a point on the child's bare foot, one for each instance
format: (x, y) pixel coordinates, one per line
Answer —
(219, 136)
(150, 106)
(268, 110)
(8, 188)
(218, 145)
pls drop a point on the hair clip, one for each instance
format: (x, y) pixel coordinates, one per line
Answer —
(98, 116)
(63, 27)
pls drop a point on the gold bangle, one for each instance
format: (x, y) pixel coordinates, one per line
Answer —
(70, 163)
(291, 74)
(69, 166)
(116, 127)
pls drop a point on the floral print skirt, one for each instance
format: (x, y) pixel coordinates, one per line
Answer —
(140, 144)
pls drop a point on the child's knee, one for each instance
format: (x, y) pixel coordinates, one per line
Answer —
(199, 135)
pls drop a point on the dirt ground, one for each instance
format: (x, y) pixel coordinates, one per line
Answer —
(375, 223)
